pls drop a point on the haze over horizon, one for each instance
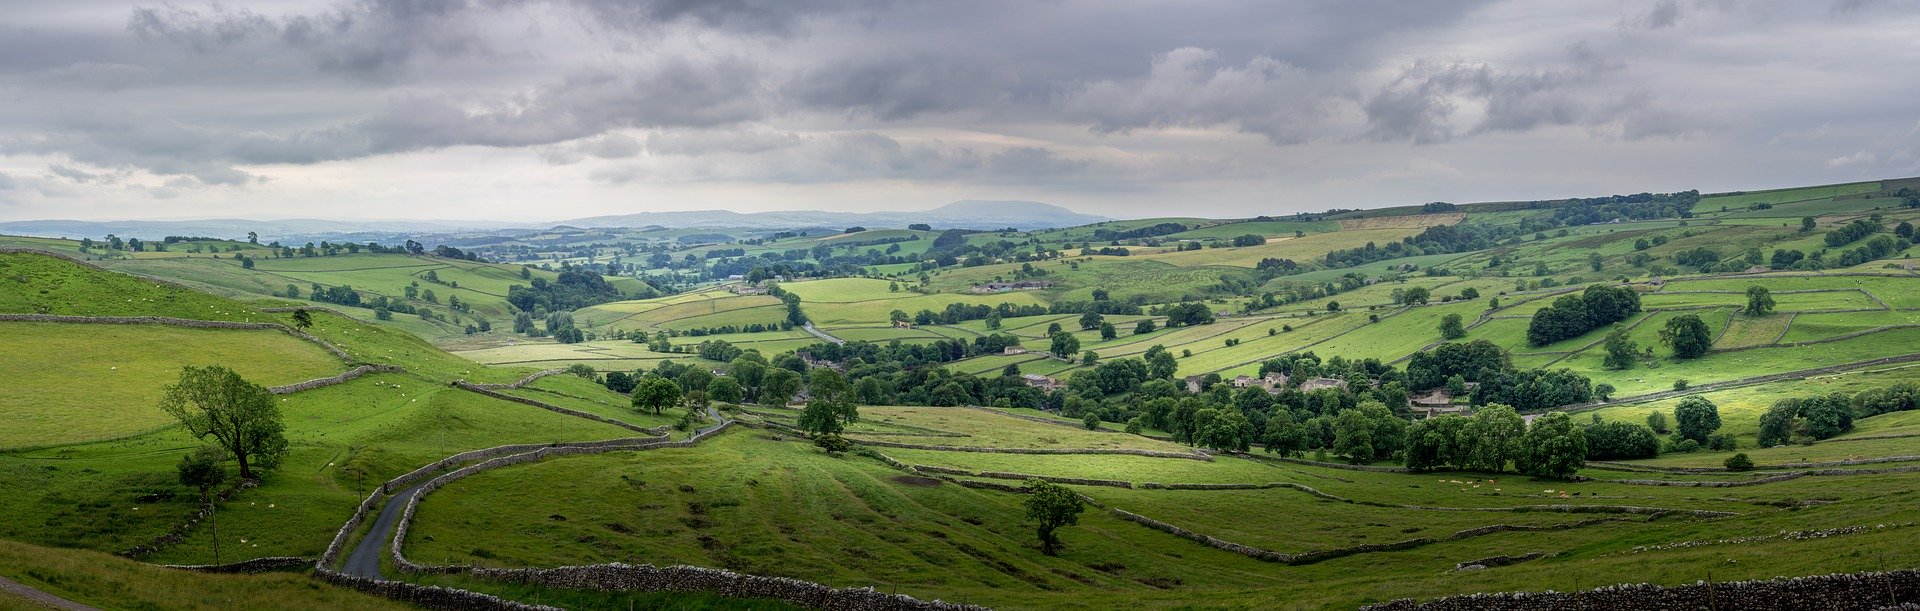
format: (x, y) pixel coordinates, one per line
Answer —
(530, 110)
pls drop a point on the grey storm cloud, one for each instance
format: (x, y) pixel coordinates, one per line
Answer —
(1232, 100)
(1188, 87)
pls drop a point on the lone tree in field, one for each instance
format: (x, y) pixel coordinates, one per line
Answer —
(1759, 301)
(1050, 507)
(1696, 418)
(1687, 335)
(655, 393)
(1621, 351)
(1451, 328)
(201, 470)
(240, 416)
(301, 319)
(830, 405)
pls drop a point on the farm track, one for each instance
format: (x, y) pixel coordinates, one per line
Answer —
(38, 597)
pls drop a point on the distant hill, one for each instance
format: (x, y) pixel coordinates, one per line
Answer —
(236, 228)
(964, 214)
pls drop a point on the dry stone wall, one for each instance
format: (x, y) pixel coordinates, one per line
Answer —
(430, 597)
(178, 322)
(620, 577)
(1126, 451)
(332, 380)
(483, 389)
(523, 381)
(256, 565)
(1835, 592)
(623, 577)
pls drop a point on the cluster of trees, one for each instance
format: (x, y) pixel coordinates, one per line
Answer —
(1493, 437)
(1806, 419)
(1184, 314)
(1575, 314)
(1853, 232)
(1159, 229)
(1639, 206)
(573, 289)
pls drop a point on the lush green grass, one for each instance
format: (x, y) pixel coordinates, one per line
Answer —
(1740, 408)
(765, 507)
(111, 582)
(988, 429)
(1309, 248)
(123, 369)
(39, 284)
(113, 495)
(1261, 228)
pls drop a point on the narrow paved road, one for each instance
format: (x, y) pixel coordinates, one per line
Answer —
(38, 597)
(823, 334)
(365, 559)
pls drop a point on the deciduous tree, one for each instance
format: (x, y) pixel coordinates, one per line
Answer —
(240, 416)
(1051, 506)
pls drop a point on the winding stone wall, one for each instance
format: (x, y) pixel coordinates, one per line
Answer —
(624, 577)
(523, 381)
(256, 565)
(430, 597)
(1835, 592)
(332, 380)
(1125, 451)
(1024, 476)
(179, 322)
(483, 389)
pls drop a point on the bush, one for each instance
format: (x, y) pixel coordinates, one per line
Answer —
(1723, 442)
(1739, 462)
(833, 444)
(1680, 384)
(1685, 446)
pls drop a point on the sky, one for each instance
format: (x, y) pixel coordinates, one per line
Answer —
(530, 110)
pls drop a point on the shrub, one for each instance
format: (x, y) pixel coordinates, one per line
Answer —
(1685, 446)
(1739, 462)
(1680, 384)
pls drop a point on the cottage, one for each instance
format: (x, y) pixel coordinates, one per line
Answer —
(903, 324)
(737, 277)
(1274, 380)
(1755, 269)
(1013, 350)
(1320, 383)
(1194, 383)
(1438, 398)
(1244, 381)
(1039, 381)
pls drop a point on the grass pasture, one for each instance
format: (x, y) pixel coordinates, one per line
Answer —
(850, 520)
(123, 368)
(111, 582)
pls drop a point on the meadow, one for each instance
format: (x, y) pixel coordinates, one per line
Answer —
(90, 460)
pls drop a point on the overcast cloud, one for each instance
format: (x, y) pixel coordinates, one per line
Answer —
(553, 109)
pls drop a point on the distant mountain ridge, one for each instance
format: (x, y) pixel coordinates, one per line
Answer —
(963, 214)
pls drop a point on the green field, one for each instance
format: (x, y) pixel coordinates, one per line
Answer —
(124, 368)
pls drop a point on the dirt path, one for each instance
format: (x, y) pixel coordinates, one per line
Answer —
(15, 588)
